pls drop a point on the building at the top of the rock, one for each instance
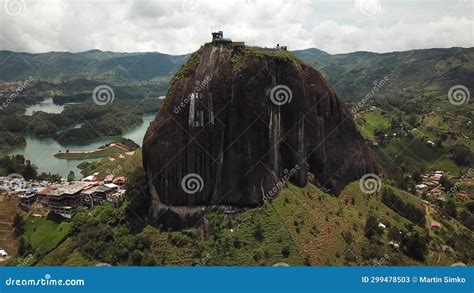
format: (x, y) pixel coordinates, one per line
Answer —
(218, 38)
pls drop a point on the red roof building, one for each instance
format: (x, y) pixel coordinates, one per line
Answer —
(463, 195)
(119, 180)
(435, 226)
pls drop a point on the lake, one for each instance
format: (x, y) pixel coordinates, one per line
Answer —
(47, 106)
(40, 150)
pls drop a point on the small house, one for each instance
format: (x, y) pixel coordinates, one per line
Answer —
(435, 226)
(463, 195)
(109, 179)
(119, 180)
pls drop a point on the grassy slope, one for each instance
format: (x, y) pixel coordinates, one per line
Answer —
(119, 167)
(306, 222)
(372, 120)
(416, 154)
(44, 235)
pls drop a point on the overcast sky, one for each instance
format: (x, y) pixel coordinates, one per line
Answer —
(181, 26)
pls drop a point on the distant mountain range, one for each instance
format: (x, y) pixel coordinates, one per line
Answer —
(95, 64)
(417, 72)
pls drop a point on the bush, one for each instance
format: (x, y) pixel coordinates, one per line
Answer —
(372, 227)
(285, 251)
(415, 246)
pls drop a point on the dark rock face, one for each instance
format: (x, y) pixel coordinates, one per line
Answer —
(238, 122)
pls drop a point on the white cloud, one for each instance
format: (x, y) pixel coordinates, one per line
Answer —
(182, 26)
(447, 32)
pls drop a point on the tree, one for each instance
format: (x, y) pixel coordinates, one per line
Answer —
(416, 176)
(372, 227)
(470, 206)
(415, 246)
(258, 232)
(71, 176)
(446, 183)
(450, 208)
(138, 197)
(18, 225)
(395, 234)
(29, 171)
(136, 257)
(462, 155)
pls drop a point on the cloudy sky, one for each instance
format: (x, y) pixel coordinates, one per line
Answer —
(181, 26)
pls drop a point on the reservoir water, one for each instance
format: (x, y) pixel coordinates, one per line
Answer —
(40, 150)
(47, 106)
